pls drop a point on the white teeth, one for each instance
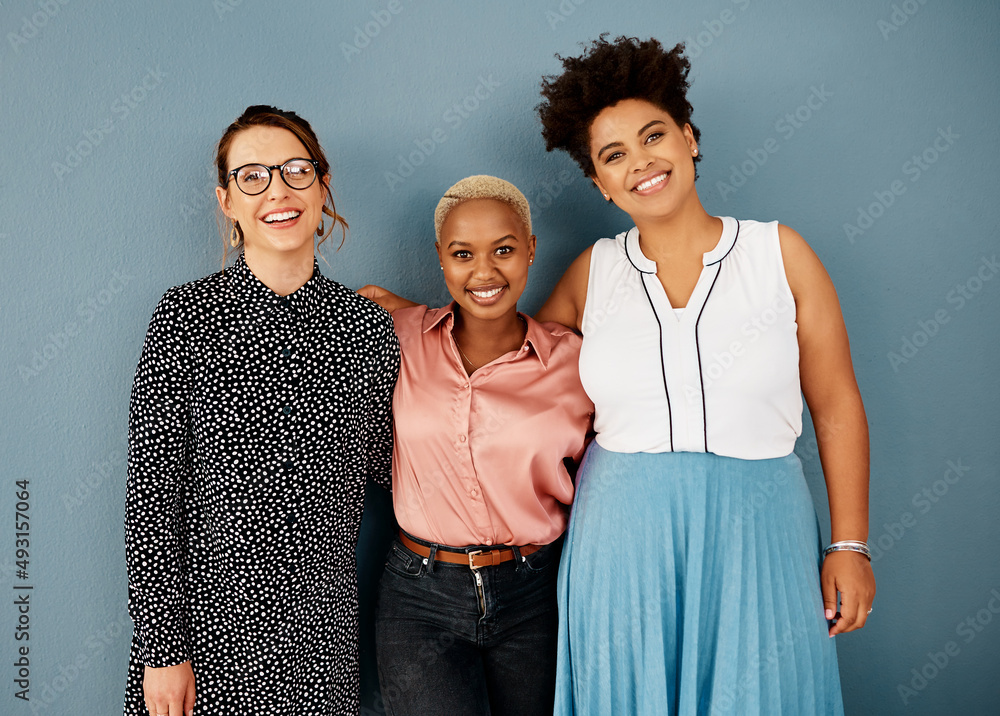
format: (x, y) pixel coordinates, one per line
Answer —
(485, 294)
(651, 183)
(283, 216)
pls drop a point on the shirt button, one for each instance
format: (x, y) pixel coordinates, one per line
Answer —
(285, 353)
(461, 438)
(286, 301)
(291, 519)
(473, 492)
(287, 410)
(487, 541)
(288, 465)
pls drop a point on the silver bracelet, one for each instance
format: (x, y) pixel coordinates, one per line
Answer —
(849, 545)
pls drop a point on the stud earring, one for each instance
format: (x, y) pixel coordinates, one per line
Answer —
(695, 152)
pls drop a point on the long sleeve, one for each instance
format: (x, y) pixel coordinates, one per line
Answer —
(256, 420)
(385, 370)
(159, 464)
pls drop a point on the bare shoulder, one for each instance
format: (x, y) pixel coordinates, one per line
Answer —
(803, 268)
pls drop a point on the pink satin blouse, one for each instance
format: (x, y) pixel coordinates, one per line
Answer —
(479, 459)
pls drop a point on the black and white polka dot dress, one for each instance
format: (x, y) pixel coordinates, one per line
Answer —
(255, 421)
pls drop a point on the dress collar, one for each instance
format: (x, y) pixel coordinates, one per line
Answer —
(261, 302)
(730, 230)
(536, 340)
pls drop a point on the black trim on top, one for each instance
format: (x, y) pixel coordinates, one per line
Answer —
(663, 370)
(697, 342)
(625, 244)
(735, 239)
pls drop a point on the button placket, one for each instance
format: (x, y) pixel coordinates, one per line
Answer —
(288, 363)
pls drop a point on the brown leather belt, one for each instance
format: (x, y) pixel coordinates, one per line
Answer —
(474, 560)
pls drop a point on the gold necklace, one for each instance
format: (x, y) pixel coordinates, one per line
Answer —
(471, 364)
(477, 367)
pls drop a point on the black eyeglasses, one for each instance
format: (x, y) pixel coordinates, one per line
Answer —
(253, 179)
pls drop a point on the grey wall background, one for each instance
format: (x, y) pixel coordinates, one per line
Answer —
(870, 127)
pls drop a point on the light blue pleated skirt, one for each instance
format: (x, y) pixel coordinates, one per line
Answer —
(689, 584)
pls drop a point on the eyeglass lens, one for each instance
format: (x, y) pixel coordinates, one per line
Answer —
(255, 178)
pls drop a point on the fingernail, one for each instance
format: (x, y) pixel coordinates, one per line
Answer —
(829, 614)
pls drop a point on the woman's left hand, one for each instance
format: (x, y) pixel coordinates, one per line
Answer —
(849, 574)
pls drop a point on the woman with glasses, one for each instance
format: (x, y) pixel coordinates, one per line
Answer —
(692, 580)
(260, 408)
(487, 412)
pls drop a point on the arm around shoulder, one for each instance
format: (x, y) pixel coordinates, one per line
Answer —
(385, 298)
(566, 303)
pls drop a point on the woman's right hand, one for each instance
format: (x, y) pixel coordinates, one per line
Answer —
(169, 690)
(385, 298)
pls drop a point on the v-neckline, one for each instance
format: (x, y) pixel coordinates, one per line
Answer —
(698, 297)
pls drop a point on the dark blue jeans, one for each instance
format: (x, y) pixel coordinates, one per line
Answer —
(447, 645)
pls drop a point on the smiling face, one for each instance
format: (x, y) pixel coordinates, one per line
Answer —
(485, 251)
(642, 160)
(279, 222)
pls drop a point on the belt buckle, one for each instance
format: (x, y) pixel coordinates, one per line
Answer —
(472, 566)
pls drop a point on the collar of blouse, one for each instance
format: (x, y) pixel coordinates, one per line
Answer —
(261, 302)
(537, 340)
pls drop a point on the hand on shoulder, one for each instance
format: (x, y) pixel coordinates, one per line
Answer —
(385, 298)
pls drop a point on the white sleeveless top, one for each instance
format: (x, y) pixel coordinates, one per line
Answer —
(722, 377)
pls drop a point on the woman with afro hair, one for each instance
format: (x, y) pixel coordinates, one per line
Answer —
(692, 579)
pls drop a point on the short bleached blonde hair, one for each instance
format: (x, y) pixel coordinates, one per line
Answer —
(481, 186)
